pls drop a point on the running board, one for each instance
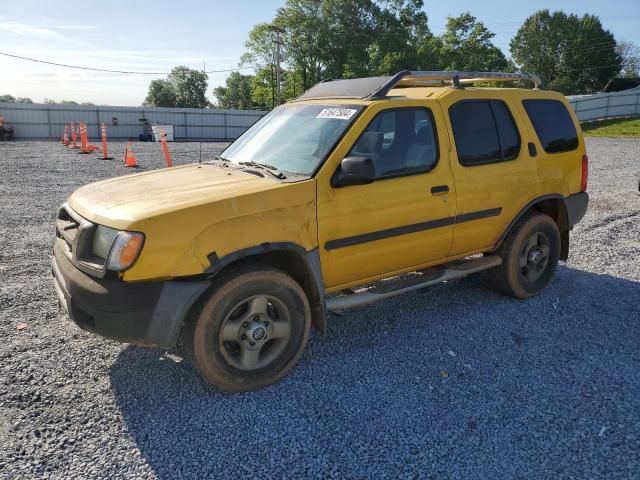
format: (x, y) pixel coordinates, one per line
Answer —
(425, 278)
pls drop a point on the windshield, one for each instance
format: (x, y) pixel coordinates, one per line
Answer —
(293, 138)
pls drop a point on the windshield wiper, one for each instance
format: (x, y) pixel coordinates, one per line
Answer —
(267, 168)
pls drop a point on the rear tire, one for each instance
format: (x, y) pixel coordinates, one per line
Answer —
(251, 331)
(529, 255)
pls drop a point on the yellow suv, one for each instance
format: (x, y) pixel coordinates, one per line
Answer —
(354, 182)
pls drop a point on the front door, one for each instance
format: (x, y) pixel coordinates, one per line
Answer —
(404, 219)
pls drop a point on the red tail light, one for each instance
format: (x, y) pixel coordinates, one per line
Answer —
(585, 173)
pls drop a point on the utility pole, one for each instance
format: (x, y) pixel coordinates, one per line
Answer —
(277, 58)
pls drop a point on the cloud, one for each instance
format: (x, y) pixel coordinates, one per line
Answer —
(50, 32)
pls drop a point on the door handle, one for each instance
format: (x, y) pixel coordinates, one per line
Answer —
(439, 189)
(532, 149)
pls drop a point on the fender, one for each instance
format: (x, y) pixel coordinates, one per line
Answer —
(312, 281)
(562, 220)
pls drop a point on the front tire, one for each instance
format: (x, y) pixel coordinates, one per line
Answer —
(251, 331)
(529, 255)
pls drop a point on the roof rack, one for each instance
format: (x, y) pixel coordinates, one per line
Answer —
(372, 88)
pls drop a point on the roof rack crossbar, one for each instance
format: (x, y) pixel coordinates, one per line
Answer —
(373, 88)
(423, 78)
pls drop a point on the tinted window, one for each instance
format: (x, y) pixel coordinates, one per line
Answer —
(507, 133)
(484, 132)
(553, 125)
(399, 141)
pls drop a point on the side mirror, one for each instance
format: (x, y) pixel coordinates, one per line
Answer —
(354, 171)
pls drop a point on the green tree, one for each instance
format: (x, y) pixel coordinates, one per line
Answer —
(161, 94)
(11, 99)
(467, 45)
(630, 55)
(190, 86)
(339, 39)
(183, 88)
(572, 54)
(236, 94)
(402, 39)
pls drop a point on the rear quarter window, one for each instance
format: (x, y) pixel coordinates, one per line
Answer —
(553, 125)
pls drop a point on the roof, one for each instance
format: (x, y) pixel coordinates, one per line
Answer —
(372, 88)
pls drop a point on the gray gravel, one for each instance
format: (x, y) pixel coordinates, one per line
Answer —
(455, 381)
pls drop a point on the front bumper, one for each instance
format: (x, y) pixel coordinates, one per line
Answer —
(145, 313)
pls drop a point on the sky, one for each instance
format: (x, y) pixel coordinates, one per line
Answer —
(155, 36)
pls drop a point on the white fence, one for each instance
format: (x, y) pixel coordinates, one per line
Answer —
(41, 121)
(606, 105)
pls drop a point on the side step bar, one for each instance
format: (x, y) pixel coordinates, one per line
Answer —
(431, 276)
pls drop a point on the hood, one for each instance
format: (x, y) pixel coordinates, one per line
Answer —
(120, 201)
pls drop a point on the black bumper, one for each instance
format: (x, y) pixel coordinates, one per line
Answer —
(146, 313)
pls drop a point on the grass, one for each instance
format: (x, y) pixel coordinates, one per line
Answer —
(619, 127)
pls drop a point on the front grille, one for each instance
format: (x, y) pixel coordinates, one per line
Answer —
(75, 236)
(67, 229)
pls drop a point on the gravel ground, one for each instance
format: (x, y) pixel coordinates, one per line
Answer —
(455, 381)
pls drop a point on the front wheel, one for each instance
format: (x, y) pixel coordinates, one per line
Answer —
(251, 331)
(529, 255)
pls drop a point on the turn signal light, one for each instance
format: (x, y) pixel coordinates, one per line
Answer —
(125, 250)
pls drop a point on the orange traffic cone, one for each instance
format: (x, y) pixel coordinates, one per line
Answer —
(74, 136)
(105, 154)
(65, 135)
(85, 146)
(83, 139)
(129, 157)
(165, 149)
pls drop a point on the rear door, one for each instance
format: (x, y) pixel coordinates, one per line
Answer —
(495, 174)
(403, 219)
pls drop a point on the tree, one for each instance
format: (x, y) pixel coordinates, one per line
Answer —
(402, 39)
(339, 39)
(161, 94)
(236, 94)
(466, 45)
(630, 54)
(183, 87)
(572, 54)
(11, 99)
(190, 87)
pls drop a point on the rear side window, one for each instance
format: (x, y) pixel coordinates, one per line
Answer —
(484, 132)
(552, 124)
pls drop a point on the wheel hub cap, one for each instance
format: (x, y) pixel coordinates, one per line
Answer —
(535, 256)
(259, 333)
(255, 332)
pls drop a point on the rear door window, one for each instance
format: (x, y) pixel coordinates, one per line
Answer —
(553, 125)
(484, 132)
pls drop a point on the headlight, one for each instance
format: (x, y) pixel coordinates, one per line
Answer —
(119, 249)
(102, 241)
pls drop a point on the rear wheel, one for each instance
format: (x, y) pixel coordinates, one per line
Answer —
(251, 331)
(529, 255)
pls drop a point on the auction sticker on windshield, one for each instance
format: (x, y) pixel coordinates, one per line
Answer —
(339, 113)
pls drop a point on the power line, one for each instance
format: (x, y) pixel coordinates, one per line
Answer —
(106, 70)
